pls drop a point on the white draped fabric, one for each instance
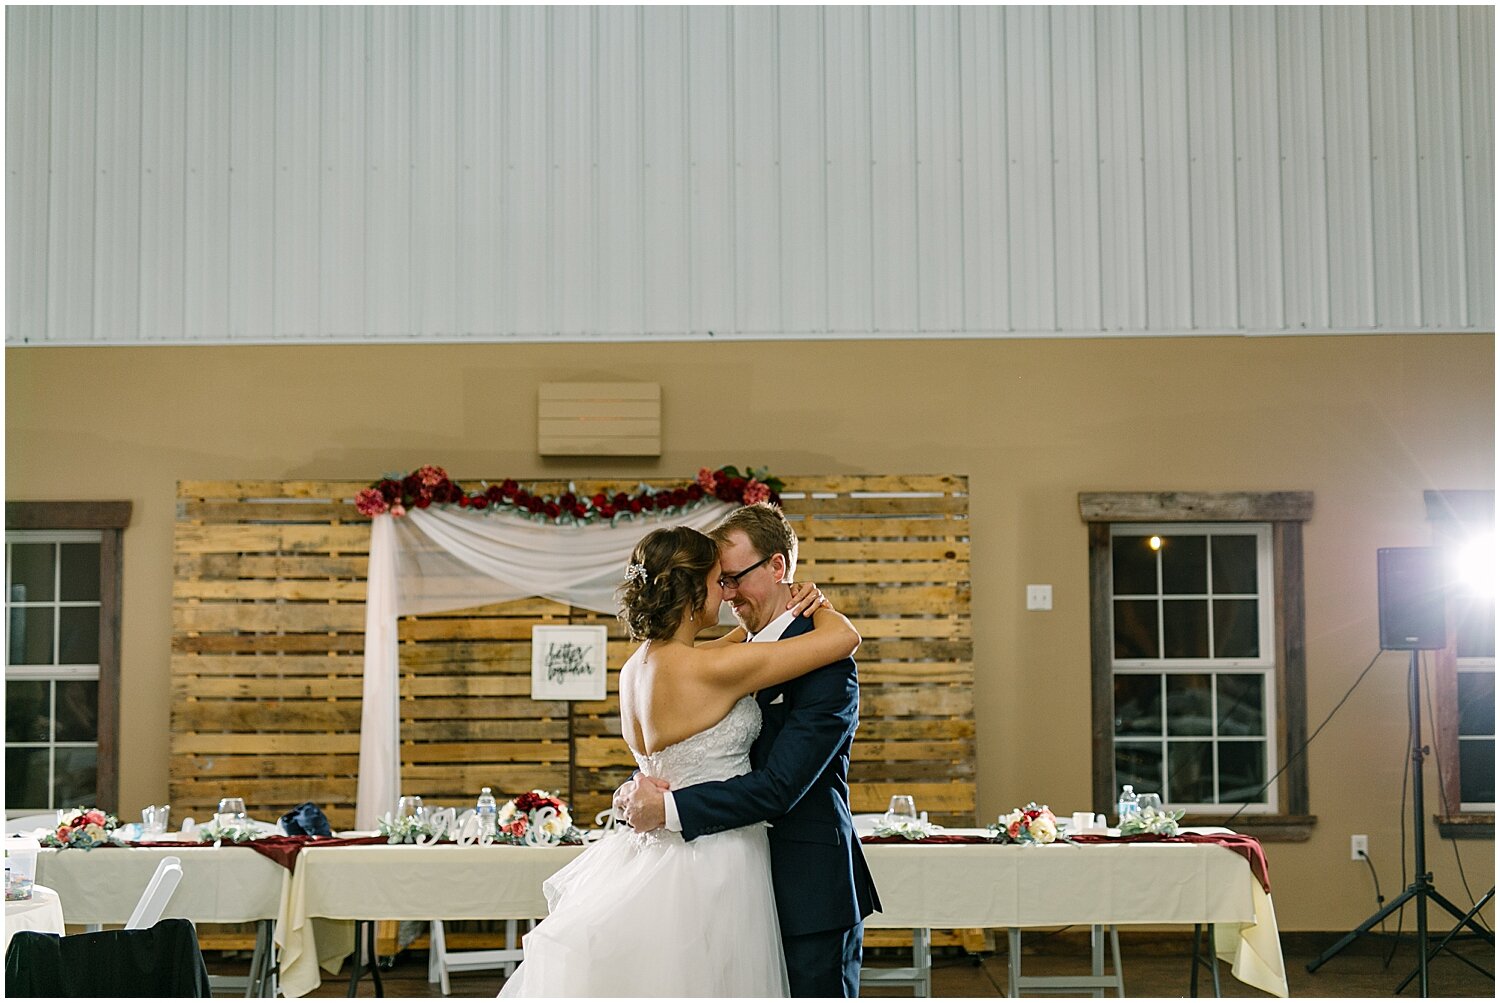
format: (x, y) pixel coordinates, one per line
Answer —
(431, 560)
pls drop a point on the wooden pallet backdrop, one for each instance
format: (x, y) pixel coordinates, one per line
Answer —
(267, 655)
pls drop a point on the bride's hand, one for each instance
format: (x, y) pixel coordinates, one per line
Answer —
(622, 799)
(807, 599)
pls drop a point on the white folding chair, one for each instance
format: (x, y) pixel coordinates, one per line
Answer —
(158, 891)
(441, 961)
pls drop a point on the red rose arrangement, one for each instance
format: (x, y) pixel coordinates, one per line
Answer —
(1032, 825)
(429, 485)
(537, 818)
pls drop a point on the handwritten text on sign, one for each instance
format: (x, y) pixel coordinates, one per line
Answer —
(568, 663)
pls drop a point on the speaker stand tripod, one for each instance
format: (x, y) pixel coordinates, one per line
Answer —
(1421, 889)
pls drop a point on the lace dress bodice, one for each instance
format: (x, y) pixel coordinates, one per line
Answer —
(718, 752)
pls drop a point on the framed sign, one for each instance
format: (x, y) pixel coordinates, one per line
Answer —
(568, 663)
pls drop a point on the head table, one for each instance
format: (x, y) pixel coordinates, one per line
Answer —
(922, 885)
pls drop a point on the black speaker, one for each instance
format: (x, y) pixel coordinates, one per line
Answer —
(1413, 607)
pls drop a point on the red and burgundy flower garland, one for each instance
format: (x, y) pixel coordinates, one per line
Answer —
(429, 485)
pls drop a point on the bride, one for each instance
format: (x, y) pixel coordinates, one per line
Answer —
(647, 914)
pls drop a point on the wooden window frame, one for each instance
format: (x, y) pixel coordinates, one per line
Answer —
(1453, 514)
(110, 518)
(1286, 511)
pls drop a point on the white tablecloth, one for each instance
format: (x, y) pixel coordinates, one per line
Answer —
(965, 885)
(42, 912)
(402, 882)
(228, 884)
(925, 886)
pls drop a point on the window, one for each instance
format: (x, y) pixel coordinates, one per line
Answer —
(52, 670)
(1192, 626)
(1474, 634)
(62, 656)
(1198, 665)
(1463, 680)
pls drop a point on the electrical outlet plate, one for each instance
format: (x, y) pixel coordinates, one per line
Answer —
(1039, 597)
(1359, 847)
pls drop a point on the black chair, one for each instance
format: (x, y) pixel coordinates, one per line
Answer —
(163, 960)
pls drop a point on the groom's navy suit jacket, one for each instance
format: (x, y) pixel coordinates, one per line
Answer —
(799, 782)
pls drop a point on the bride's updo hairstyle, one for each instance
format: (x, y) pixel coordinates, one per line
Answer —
(667, 576)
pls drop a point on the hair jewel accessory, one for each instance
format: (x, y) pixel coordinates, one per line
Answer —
(637, 573)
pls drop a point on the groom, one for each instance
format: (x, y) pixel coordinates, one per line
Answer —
(800, 778)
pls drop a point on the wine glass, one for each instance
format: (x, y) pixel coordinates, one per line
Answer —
(154, 819)
(231, 811)
(410, 806)
(903, 808)
(1150, 802)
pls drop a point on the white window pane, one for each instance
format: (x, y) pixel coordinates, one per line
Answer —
(76, 781)
(1236, 628)
(1242, 771)
(78, 641)
(1135, 629)
(1476, 703)
(1137, 704)
(28, 710)
(80, 572)
(1138, 764)
(77, 710)
(1476, 770)
(1190, 776)
(31, 635)
(1190, 704)
(1134, 564)
(1184, 565)
(33, 572)
(1185, 628)
(1241, 706)
(1234, 565)
(26, 781)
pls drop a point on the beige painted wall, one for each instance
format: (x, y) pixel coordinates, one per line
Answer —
(1366, 423)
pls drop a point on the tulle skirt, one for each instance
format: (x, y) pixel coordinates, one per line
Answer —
(654, 915)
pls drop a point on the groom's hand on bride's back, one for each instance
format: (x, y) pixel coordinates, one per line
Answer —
(639, 803)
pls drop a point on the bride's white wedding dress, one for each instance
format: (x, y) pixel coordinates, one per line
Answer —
(648, 914)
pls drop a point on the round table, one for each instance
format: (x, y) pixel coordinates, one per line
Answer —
(42, 912)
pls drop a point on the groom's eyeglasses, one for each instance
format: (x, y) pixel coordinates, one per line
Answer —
(727, 581)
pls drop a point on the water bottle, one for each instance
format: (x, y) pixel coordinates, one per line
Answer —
(485, 809)
(1129, 803)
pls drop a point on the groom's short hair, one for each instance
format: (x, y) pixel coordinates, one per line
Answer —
(766, 529)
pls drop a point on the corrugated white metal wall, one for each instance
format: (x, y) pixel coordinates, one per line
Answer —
(375, 173)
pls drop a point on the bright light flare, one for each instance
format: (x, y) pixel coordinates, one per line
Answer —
(1154, 543)
(1474, 564)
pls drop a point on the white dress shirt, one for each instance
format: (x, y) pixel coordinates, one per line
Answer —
(770, 632)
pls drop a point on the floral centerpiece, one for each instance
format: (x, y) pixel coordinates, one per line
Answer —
(427, 486)
(903, 826)
(408, 828)
(1150, 821)
(217, 833)
(536, 818)
(1032, 826)
(83, 829)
